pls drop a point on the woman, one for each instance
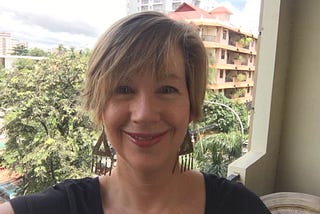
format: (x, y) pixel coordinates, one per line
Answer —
(145, 83)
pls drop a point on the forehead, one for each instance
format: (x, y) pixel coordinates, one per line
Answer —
(172, 65)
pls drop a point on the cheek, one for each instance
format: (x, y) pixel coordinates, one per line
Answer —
(112, 117)
(183, 112)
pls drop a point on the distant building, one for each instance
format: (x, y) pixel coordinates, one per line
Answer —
(164, 6)
(6, 61)
(231, 52)
(7, 43)
(207, 5)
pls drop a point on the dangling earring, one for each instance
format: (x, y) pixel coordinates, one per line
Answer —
(103, 157)
(185, 154)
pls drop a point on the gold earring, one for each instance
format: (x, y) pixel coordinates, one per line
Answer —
(103, 156)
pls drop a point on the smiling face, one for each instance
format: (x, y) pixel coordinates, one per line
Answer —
(146, 117)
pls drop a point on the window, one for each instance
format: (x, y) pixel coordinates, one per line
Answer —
(230, 74)
(224, 34)
(144, 1)
(221, 74)
(223, 54)
(175, 5)
(144, 8)
(158, 7)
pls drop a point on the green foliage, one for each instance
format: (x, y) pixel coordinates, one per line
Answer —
(49, 138)
(212, 75)
(221, 140)
(240, 92)
(20, 50)
(214, 152)
(245, 41)
(241, 77)
(221, 117)
(36, 52)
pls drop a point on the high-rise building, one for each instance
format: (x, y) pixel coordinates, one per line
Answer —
(231, 52)
(164, 6)
(7, 43)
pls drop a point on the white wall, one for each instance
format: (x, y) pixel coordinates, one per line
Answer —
(299, 156)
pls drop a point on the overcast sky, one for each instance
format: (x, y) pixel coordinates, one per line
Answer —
(78, 23)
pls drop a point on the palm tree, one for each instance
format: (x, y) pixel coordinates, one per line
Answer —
(214, 152)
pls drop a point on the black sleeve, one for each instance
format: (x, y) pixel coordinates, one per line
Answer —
(69, 197)
(225, 197)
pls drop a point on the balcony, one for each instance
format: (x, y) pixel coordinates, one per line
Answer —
(209, 38)
(284, 144)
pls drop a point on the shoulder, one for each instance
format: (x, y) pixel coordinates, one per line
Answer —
(6, 208)
(69, 196)
(225, 196)
(71, 186)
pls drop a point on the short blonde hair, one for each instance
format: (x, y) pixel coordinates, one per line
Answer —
(138, 41)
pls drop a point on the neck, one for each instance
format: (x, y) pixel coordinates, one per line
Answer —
(143, 191)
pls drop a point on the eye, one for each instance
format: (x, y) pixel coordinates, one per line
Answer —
(123, 89)
(168, 90)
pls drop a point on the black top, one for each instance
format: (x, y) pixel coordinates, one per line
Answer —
(82, 196)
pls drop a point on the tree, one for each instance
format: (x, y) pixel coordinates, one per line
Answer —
(221, 117)
(220, 135)
(20, 50)
(36, 52)
(214, 152)
(49, 138)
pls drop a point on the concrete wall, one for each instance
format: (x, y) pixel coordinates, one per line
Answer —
(299, 154)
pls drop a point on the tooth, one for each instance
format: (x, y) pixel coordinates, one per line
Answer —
(143, 138)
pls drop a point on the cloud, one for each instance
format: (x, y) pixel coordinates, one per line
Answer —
(239, 4)
(247, 17)
(45, 31)
(246, 13)
(54, 24)
(45, 24)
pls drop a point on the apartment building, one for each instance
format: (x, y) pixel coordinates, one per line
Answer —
(163, 6)
(231, 52)
(7, 43)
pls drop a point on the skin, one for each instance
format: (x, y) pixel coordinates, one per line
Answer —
(146, 120)
(6, 208)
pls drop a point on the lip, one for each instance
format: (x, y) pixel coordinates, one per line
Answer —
(145, 140)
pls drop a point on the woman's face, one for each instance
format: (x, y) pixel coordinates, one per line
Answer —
(146, 118)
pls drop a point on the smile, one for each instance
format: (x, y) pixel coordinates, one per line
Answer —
(145, 140)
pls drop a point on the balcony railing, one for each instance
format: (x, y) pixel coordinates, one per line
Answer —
(232, 43)
(209, 38)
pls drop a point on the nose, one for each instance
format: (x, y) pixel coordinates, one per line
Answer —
(145, 109)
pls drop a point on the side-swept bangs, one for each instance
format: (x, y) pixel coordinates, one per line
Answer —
(139, 43)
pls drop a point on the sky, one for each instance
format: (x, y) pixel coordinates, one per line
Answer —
(79, 23)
